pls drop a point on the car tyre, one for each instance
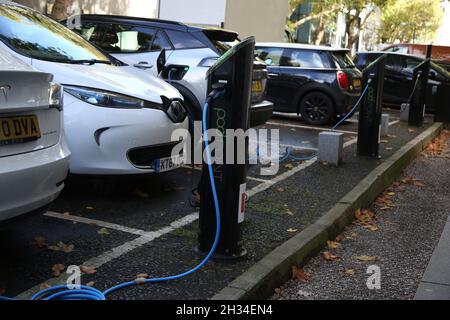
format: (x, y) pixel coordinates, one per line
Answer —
(316, 108)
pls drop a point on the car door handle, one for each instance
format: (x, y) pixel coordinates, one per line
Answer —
(273, 75)
(143, 65)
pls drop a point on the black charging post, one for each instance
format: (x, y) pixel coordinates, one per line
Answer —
(233, 72)
(371, 108)
(417, 106)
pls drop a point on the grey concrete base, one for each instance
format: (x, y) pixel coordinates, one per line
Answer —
(384, 127)
(273, 270)
(436, 279)
(331, 147)
(404, 112)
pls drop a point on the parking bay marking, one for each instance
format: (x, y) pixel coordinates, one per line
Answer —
(148, 237)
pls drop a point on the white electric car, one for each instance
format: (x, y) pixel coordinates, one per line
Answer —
(34, 158)
(118, 119)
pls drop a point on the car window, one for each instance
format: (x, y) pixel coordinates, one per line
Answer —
(271, 56)
(394, 62)
(342, 59)
(184, 40)
(304, 59)
(117, 38)
(410, 63)
(34, 35)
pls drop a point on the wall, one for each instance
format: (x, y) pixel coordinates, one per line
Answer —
(264, 19)
(204, 12)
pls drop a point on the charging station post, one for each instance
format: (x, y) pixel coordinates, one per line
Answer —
(418, 102)
(232, 72)
(371, 108)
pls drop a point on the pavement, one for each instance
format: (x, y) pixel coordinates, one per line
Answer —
(129, 226)
(405, 241)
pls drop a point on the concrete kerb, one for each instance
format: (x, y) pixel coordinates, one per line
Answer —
(274, 269)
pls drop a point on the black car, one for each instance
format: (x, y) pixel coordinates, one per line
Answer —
(319, 83)
(398, 82)
(190, 51)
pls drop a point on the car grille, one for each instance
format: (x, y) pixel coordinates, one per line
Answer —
(145, 157)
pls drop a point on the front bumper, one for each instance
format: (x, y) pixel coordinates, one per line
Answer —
(260, 113)
(32, 180)
(100, 139)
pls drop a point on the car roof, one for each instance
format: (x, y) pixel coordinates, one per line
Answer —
(299, 46)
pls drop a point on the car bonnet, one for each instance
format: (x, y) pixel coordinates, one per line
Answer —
(124, 80)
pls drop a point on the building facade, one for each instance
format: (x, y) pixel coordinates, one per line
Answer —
(264, 19)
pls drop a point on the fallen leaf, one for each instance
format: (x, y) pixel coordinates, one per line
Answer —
(90, 284)
(328, 256)
(143, 275)
(88, 270)
(103, 231)
(57, 269)
(350, 272)
(333, 244)
(300, 275)
(289, 212)
(44, 286)
(61, 246)
(372, 228)
(289, 166)
(384, 141)
(39, 242)
(366, 258)
(278, 291)
(89, 208)
(351, 236)
(411, 130)
(292, 230)
(280, 189)
(340, 238)
(391, 194)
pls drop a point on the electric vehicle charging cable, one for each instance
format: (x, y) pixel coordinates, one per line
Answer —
(89, 293)
(419, 75)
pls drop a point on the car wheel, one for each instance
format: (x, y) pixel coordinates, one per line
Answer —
(317, 108)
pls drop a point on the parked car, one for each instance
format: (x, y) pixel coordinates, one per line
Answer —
(319, 83)
(190, 51)
(398, 84)
(439, 54)
(34, 157)
(118, 119)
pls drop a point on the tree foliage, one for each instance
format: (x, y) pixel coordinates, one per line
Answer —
(410, 21)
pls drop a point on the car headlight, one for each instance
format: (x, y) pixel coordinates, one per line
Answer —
(208, 62)
(107, 99)
(56, 96)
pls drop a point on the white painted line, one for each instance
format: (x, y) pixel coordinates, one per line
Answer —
(115, 253)
(148, 237)
(98, 223)
(309, 128)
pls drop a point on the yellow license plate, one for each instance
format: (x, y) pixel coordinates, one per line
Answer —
(257, 86)
(357, 83)
(19, 129)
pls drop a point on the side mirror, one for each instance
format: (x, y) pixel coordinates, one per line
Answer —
(161, 61)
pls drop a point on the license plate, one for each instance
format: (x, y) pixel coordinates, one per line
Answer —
(357, 83)
(19, 129)
(257, 86)
(167, 164)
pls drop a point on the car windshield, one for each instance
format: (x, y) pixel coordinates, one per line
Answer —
(342, 59)
(36, 36)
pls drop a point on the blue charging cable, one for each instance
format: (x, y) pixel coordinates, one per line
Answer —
(88, 293)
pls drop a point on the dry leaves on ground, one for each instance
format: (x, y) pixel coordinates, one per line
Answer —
(333, 244)
(350, 272)
(61, 246)
(366, 258)
(88, 270)
(103, 231)
(57, 269)
(300, 275)
(366, 219)
(328, 256)
(39, 242)
(438, 145)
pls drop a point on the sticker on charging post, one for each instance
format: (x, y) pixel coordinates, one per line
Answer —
(242, 196)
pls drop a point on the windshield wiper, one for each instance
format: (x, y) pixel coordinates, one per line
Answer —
(89, 61)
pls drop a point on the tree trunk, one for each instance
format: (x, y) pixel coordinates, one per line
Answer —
(60, 8)
(352, 30)
(320, 32)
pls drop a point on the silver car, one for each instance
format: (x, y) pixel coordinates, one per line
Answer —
(34, 158)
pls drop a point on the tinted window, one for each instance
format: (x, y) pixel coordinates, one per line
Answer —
(394, 61)
(410, 63)
(342, 59)
(304, 59)
(117, 38)
(271, 56)
(184, 40)
(34, 35)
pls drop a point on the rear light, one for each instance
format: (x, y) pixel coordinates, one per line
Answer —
(56, 96)
(342, 78)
